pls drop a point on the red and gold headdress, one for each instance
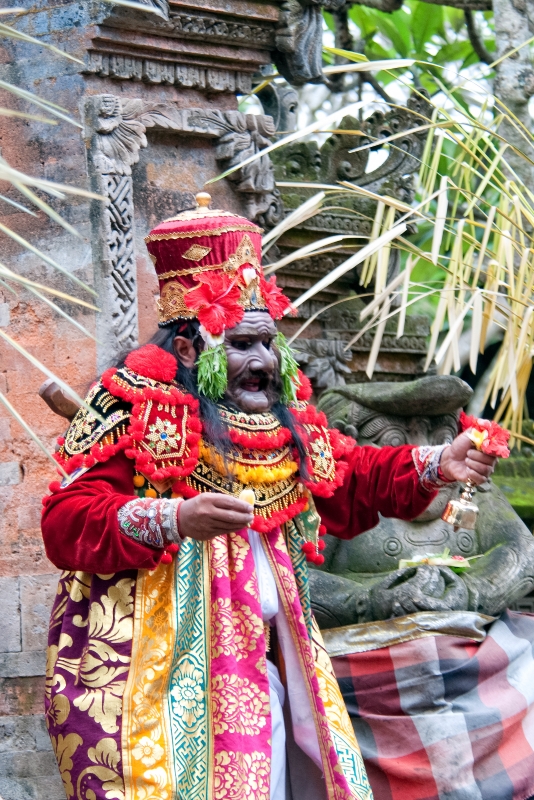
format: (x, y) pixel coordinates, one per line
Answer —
(208, 263)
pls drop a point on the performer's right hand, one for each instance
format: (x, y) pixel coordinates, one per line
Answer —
(208, 515)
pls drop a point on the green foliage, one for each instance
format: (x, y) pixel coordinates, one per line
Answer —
(288, 369)
(431, 33)
(212, 372)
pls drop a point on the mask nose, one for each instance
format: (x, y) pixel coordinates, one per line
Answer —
(262, 359)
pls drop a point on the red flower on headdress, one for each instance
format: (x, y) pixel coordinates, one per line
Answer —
(216, 302)
(275, 299)
(495, 438)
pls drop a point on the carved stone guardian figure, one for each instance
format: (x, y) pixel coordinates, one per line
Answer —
(435, 672)
(366, 568)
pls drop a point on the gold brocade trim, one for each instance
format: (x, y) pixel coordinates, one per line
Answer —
(145, 738)
(172, 304)
(200, 212)
(157, 237)
(245, 254)
(251, 296)
(320, 452)
(269, 497)
(196, 270)
(175, 442)
(250, 423)
(340, 727)
(287, 590)
(368, 636)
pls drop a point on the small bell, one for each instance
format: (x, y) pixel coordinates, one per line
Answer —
(462, 513)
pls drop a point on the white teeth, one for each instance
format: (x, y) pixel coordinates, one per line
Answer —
(249, 273)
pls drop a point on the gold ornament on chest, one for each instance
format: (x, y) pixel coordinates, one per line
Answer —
(164, 436)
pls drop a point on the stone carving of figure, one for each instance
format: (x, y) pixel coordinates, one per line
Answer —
(436, 674)
(360, 580)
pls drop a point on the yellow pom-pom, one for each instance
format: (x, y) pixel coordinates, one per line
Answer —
(175, 496)
(138, 481)
(151, 493)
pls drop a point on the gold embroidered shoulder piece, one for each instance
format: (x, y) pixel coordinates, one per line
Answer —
(106, 423)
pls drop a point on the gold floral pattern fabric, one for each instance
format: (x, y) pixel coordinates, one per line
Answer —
(241, 776)
(343, 767)
(235, 628)
(145, 741)
(238, 705)
(87, 666)
(157, 686)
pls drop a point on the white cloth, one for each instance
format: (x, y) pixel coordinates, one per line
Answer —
(278, 735)
(266, 582)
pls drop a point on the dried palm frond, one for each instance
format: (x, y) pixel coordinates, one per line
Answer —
(481, 218)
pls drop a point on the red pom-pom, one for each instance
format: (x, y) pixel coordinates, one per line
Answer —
(55, 486)
(153, 362)
(321, 545)
(304, 391)
(308, 547)
(60, 440)
(166, 558)
(322, 530)
(173, 548)
(318, 560)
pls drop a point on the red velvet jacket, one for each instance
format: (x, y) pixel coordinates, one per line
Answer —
(81, 530)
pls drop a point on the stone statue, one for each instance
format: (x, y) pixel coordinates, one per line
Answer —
(360, 581)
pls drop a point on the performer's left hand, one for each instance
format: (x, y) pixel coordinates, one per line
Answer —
(460, 461)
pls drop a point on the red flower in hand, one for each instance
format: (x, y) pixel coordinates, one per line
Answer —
(275, 299)
(216, 302)
(494, 439)
(497, 442)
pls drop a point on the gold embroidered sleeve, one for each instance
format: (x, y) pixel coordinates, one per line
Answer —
(108, 421)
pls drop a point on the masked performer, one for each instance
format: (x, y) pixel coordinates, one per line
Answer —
(184, 662)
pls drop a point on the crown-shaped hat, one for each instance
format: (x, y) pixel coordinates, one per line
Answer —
(208, 264)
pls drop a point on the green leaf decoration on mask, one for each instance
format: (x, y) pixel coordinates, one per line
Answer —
(288, 369)
(212, 372)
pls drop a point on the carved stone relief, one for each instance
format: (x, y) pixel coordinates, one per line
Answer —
(240, 136)
(211, 50)
(323, 361)
(115, 132)
(189, 77)
(299, 40)
(281, 103)
(306, 161)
